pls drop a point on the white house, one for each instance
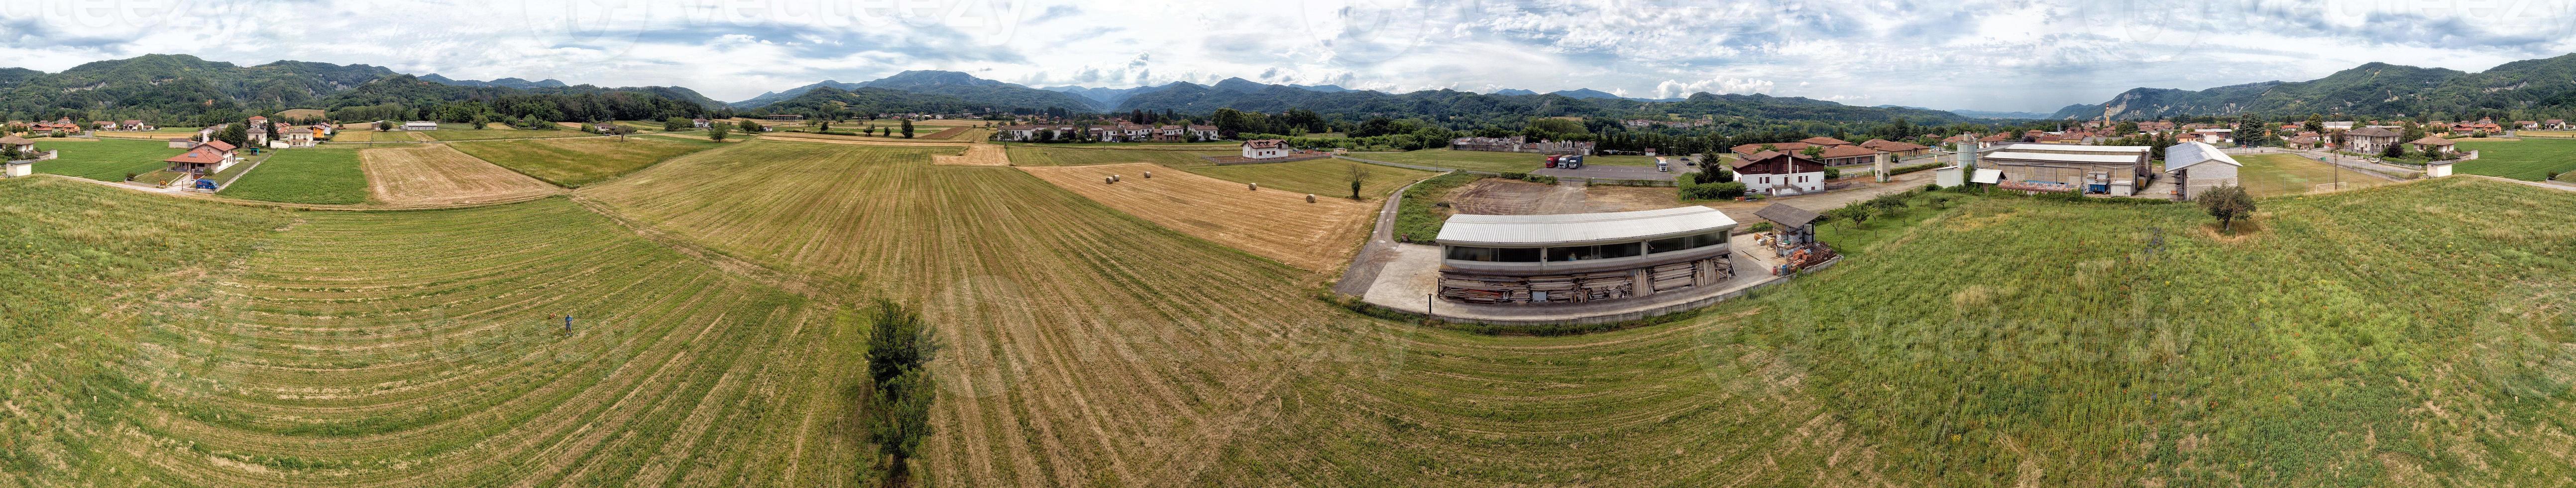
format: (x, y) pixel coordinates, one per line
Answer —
(420, 125)
(699, 123)
(1203, 132)
(2198, 167)
(1779, 173)
(1266, 149)
(2215, 136)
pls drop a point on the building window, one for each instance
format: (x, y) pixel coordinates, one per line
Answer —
(1586, 253)
(1686, 242)
(1493, 254)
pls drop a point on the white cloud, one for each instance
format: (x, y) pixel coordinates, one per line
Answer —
(1988, 54)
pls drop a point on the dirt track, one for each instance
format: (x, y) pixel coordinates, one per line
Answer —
(1277, 224)
(434, 174)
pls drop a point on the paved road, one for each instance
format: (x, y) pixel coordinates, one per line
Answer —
(1376, 253)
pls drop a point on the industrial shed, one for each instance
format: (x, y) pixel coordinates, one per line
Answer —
(2114, 170)
(2198, 167)
(1570, 258)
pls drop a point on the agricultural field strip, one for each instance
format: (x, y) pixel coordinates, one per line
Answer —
(1320, 236)
(432, 174)
(320, 371)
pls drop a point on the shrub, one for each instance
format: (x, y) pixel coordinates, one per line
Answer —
(1715, 175)
(1539, 179)
(1714, 191)
(1516, 175)
(1833, 173)
(1759, 227)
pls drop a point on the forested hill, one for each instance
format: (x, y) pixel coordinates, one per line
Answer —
(174, 89)
(2531, 89)
(940, 87)
(1458, 106)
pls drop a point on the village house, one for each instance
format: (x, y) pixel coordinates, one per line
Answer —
(1780, 173)
(2433, 146)
(204, 159)
(1996, 140)
(2215, 136)
(2526, 124)
(104, 125)
(2303, 142)
(2370, 140)
(2554, 124)
(58, 125)
(1203, 132)
(134, 125)
(296, 136)
(700, 123)
(1266, 149)
(12, 141)
(2345, 125)
(2198, 167)
(2113, 170)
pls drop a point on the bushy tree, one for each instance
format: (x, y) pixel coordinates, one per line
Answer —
(674, 124)
(2227, 203)
(898, 347)
(717, 132)
(907, 128)
(749, 126)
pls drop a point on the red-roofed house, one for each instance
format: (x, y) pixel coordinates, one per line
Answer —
(1825, 141)
(1845, 155)
(2554, 124)
(1779, 173)
(204, 159)
(1266, 149)
(2527, 124)
(1896, 148)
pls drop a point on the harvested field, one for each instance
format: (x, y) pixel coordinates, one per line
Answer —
(1273, 223)
(571, 163)
(943, 134)
(434, 174)
(1322, 177)
(975, 155)
(463, 132)
(871, 141)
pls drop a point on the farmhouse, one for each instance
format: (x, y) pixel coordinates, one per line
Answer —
(206, 158)
(1779, 173)
(2370, 140)
(2526, 124)
(1203, 132)
(699, 123)
(296, 136)
(12, 141)
(1574, 258)
(420, 125)
(2198, 167)
(1266, 149)
(2554, 124)
(2433, 146)
(2215, 136)
(2113, 170)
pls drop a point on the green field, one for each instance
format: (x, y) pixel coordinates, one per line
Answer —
(572, 163)
(1070, 155)
(105, 159)
(2406, 335)
(2290, 174)
(319, 176)
(2529, 159)
(1322, 177)
(1500, 162)
(463, 132)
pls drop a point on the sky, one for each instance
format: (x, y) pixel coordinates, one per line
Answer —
(1954, 54)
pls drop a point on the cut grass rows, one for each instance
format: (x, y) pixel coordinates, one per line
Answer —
(572, 163)
(317, 176)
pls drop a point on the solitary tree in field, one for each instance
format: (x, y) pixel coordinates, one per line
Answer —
(717, 132)
(1359, 174)
(749, 126)
(898, 346)
(907, 128)
(2227, 203)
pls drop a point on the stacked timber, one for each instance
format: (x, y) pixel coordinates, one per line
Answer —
(1674, 276)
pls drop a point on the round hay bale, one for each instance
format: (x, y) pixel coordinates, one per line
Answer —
(1252, 186)
(1113, 178)
(1149, 175)
(1107, 180)
(1310, 198)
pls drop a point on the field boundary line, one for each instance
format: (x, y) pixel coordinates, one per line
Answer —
(311, 206)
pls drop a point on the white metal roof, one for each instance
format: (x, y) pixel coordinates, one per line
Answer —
(1988, 176)
(2072, 148)
(1569, 229)
(2066, 158)
(2189, 153)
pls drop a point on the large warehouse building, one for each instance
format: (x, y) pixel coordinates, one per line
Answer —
(1540, 259)
(2112, 170)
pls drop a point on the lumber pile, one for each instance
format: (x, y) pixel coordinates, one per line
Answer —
(1582, 287)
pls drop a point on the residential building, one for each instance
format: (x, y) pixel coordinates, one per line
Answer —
(204, 159)
(700, 123)
(2526, 124)
(296, 136)
(1780, 173)
(1266, 149)
(1203, 132)
(2433, 146)
(12, 141)
(2369, 140)
(2215, 136)
(2554, 124)
(2198, 167)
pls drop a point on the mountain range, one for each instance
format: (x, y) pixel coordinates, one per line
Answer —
(176, 87)
(2376, 89)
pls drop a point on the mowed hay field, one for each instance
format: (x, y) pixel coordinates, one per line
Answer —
(571, 163)
(1326, 178)
(1079, 345)
(434, 174)
(105, 159)
(2354, 339)
(404, 349)
(2528, 159)
(464, 132)
(1273, 223)
(2290, 174)
(329, 176)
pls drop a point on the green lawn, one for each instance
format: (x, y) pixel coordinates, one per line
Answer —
(461, 132)
(571, 163)
(1079, 155)
(105, 159)
(1501, 161)
(318, 176)
(2290, 174)
(2528, 159)
(1322, 177)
